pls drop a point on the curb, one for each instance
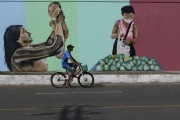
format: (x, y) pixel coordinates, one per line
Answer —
(100, 77)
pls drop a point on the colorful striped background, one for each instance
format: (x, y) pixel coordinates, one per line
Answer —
(90, 25)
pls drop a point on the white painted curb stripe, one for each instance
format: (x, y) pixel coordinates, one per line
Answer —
(121, 78)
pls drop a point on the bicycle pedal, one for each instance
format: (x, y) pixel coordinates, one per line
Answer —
(75, 76)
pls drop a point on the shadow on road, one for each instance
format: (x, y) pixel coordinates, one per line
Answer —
(77, 113)
(71, 113)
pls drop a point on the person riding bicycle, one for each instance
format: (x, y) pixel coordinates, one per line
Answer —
(68, 66)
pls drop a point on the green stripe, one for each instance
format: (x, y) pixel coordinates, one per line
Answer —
(95, 24)
(37, 22)
(90, 26)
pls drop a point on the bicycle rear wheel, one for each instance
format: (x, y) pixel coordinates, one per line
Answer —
(58, 80)
(86, 80)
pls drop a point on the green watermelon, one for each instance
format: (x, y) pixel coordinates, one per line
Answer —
(102, 62)
(150, 62)
(114, 63)
(106, 67)
(157, 68)
(146, 59)
(129, 66)
(138, 62)
(113, 68)
(120, 55)
(154, 62)
(110, 62)
(116, 60)
(146, 67)
(121, 60)
(135, 68)
(118, 65)
(143, 62)
(108, 57)
(124, 64)
(131, 62)
(140, 67)
(122, 68)
(136, 57)
(142, 57)
(152, 67)
(100, 68)
(134, 61)
(130, 58)
(107, 60)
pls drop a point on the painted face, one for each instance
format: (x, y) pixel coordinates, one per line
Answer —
(25, 37)
(128, 17)
(51, 9)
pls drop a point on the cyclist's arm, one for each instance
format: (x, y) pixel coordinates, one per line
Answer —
(73, 60)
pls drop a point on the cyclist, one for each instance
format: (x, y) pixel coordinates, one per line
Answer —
(68, 66)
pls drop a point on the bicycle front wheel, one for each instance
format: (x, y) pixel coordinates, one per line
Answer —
(58, 80)
(86, 80)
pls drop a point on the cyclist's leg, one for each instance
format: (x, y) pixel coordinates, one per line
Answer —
(74, 66)
(69, 70)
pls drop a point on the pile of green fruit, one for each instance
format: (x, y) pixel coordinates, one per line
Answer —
(121, 63)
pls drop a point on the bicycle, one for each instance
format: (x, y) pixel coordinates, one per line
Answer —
(85, 78)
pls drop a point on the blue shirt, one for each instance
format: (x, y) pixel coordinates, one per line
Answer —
(65, 58)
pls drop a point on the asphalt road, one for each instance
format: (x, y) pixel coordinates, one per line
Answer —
(114, 102)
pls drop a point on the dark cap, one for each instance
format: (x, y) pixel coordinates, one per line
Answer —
(70, 46)
(127, 9)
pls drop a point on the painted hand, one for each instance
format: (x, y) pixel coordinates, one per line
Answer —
(127, 41)
(61, 17)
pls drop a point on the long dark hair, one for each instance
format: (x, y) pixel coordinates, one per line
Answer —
(11, 36)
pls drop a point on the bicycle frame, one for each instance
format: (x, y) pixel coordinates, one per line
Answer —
(79, 70)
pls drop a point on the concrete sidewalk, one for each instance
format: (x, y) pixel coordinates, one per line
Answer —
(36, 78)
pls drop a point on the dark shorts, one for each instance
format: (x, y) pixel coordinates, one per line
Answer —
(69, 67)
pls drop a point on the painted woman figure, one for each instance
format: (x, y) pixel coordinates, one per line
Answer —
(22, 56)
(120, 29)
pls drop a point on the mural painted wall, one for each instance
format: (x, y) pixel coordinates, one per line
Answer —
(159, 36)
(90, 25)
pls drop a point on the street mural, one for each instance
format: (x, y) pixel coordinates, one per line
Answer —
(123, 56)
(109, 36)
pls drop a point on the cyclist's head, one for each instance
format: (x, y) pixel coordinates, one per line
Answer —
(70, 47)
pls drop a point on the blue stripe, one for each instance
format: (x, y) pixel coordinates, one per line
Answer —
(12, 13)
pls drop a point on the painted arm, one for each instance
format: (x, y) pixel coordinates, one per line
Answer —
(115, 32)
(47, 43)
(65, 30)
(37, 53)
(135, 34)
